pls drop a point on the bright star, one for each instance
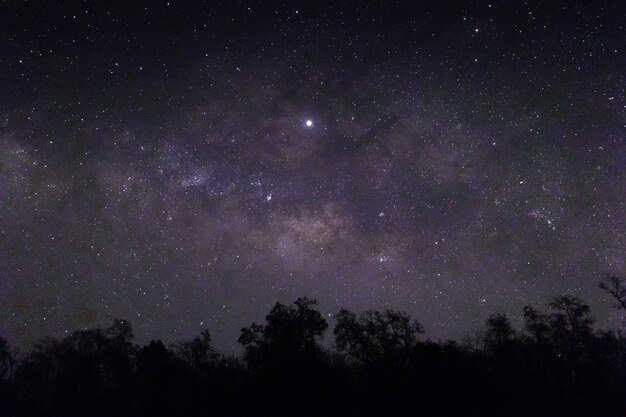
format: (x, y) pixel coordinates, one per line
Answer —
(309, 123)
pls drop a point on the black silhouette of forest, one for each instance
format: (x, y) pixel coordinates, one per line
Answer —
(381, 364)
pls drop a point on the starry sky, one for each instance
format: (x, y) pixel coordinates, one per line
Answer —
(186, 164)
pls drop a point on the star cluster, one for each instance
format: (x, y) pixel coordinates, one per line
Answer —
(186, 164)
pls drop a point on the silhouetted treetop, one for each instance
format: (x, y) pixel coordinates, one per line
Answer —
(376, 337)
(536, 324)
(571, 314)
(558, 366)
(616, 287)
(499, 331)
(120, 330)
(198, 351)
(301, 326)
(290, 331)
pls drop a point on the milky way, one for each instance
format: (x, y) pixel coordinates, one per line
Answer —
(184, 165)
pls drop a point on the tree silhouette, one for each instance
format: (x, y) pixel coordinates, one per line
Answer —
(616, 287)
(376, 337)
(121, 330)
(536, 324)
(87, 369)
(285, 358)
(558, 366)
(198, 352)
(159, 379)
(290, 332)
(499, 331)
(571, 321)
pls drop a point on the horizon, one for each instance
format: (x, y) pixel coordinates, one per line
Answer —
(326, 339)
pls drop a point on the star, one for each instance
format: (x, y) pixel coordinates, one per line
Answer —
(308, 123)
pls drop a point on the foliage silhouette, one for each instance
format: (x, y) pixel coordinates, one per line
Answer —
(616, 287)
(198, 352)
(291, 333)
(556, 365)
(499, 332)
(374, 337)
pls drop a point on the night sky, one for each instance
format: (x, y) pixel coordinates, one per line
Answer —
(184, 165)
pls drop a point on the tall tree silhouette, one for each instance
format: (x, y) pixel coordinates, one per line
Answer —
(160, 380)
(537, 325)
(571, 321)
(198, 352)
(289, 332)
(499, 331)
(285, 358)
(616, 287)
(376, 337)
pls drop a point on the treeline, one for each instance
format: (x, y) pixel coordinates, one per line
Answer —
(381, 365)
